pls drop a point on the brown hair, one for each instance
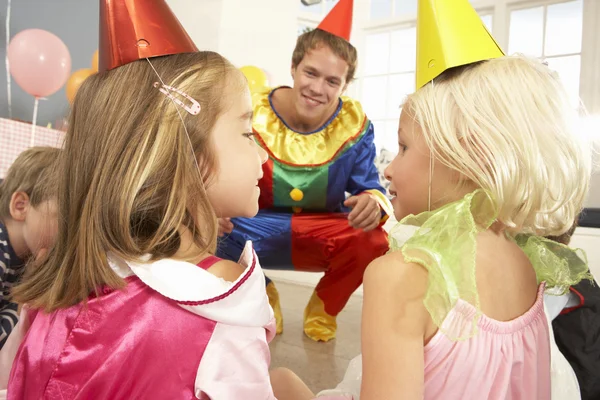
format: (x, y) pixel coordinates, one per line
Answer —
(316, 38)
(565, 238)
(128, 182)
(32, 173)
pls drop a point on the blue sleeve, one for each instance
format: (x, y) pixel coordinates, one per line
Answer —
(8, 320)
(364, 175)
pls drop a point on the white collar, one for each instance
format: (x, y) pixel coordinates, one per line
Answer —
(243, 302)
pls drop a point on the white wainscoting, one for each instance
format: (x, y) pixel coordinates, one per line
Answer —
(588, 239)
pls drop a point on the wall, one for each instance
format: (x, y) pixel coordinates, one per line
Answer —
(74, 22)
(259, 32)
(588, 239)
(245, 37)
(201, 19)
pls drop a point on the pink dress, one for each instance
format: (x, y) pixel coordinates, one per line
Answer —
(175, 332)
(504, 361)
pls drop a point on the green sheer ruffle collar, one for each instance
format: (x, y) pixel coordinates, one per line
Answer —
(444, 242)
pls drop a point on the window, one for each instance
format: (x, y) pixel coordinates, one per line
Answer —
(329, 5)
(302, 28)
(393, 8)
(405, 7)
(488, 20)
(388, 77)
(310, 16)
(553, 33)
(319, 9)
(381, 9)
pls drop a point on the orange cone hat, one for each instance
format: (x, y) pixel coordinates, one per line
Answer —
(339, 20)
(136, 29)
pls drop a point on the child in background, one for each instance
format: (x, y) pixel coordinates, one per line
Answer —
(27, 222)
(576, 326)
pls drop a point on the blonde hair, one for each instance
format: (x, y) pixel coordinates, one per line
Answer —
(316, 38)
(507, 126)
(32, 172)
(128, 179)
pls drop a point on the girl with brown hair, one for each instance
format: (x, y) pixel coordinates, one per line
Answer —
(159, 146)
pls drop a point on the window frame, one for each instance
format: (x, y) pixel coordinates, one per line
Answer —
(589, 89)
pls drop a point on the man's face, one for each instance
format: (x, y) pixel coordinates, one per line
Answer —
(319, 80)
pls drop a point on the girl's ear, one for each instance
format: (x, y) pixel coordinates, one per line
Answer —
(19, 205)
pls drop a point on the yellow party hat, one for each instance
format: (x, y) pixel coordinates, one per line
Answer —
(450, 34)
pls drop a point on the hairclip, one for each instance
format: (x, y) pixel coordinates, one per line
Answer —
(193, 108)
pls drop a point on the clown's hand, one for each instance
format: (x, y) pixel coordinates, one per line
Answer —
(365, 213)
(225, 226)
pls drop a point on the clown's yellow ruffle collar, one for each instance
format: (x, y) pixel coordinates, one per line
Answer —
(314, 149)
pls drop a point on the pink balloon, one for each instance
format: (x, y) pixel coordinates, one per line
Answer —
(39, 62)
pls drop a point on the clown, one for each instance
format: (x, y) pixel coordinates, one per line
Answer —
(320, 147)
